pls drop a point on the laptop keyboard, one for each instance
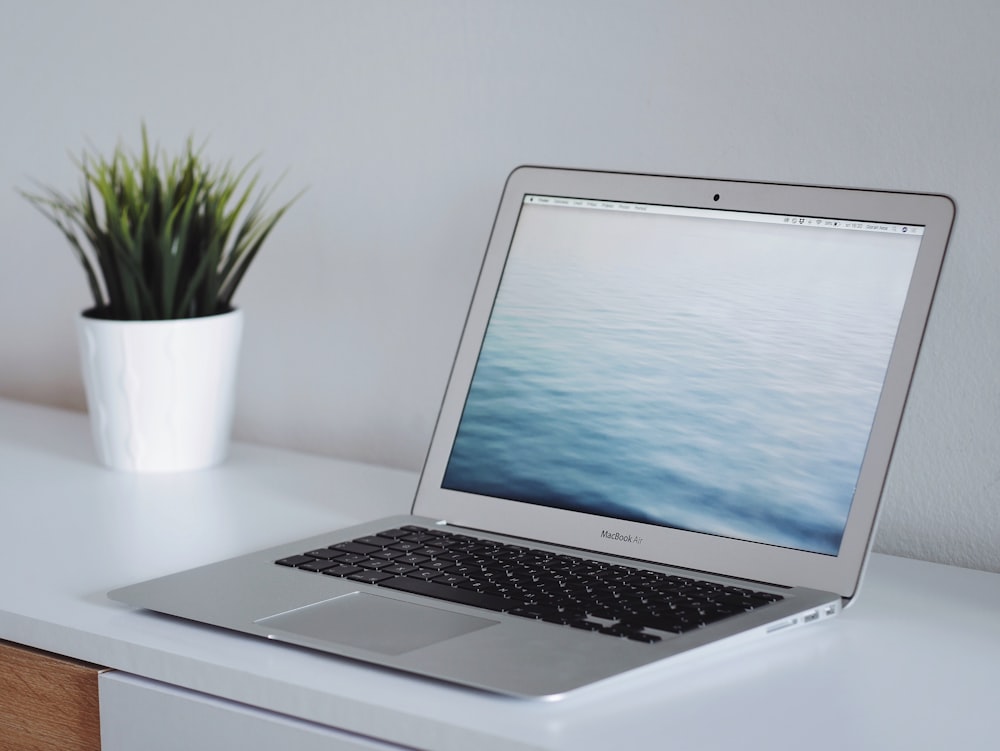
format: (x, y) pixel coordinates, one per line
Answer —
(612, 599)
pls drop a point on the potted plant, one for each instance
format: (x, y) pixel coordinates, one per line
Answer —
(164, 243)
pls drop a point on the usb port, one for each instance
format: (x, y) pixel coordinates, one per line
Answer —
(810, 617)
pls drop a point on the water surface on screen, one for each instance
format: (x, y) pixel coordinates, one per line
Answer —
(696, 372)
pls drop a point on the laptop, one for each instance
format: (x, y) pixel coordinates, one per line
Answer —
(667, 428)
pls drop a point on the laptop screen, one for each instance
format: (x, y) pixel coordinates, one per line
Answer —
(705, 370)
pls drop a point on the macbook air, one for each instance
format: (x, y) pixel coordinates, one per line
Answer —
(667, 427)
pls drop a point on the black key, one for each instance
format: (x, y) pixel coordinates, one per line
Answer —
(477, 585)
(437, 565)
(377, 540)
(352, 558)
(327, 554)
(557, 616)
(676, 624)
(585, 625)
(430, 552)
(405, 546)
(374, 564)
(295, 560)
(527, 611)
(355, 547)
(387, 555)
(438, 533)
(643, 637)
(423, 574)
(419, 537)
(451, 594)
(736, 604)
(342, 570)
(318, 565)
(455, 556)
(599, 613)
(369, 577)
(399, 569)
(449, 579)
(411, 559)
(481, 549)
(395, 534)
(711, 615)
(620, 629)
(740, 602)
(448, 543)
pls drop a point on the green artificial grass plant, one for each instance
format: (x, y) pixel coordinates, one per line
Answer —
(161, 238)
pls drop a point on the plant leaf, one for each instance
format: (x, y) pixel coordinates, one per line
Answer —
(161, 237)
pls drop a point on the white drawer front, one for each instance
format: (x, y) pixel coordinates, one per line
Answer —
(137, 713)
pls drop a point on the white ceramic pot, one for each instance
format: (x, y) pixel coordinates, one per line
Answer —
(161, 393)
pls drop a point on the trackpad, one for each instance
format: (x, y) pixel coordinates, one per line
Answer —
(372, 622)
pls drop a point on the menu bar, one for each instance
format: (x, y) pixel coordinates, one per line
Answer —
(645, 208)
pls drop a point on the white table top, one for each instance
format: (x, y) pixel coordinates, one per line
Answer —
(914, 663)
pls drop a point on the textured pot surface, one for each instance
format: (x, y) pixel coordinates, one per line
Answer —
(161, 393)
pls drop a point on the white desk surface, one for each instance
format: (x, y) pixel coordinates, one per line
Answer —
(914, 663)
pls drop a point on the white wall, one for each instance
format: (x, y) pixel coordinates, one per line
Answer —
(417, 111)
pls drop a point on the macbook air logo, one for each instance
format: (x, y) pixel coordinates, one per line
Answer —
(619, 537)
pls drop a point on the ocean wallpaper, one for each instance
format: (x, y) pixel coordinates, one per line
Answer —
(709, 375)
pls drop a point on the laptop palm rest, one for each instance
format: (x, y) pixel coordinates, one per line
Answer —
(372, 622)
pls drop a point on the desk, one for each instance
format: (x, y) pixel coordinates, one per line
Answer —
(914, 663)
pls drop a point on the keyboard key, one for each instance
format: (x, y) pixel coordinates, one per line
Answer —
(393, 534)
(369, 577)
(420, 573)
(375, 540)
(437, 565)
(421, 538)
(352, 558)
(399, 569)
(387, 554)
(317, 565)
(355, 547)
(295, 560)
(412, 560)
(342, 570)
(430, 552)
(405, 546)
(327, 554)
(374, 564)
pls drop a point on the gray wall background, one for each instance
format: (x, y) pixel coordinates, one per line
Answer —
(418, 110)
